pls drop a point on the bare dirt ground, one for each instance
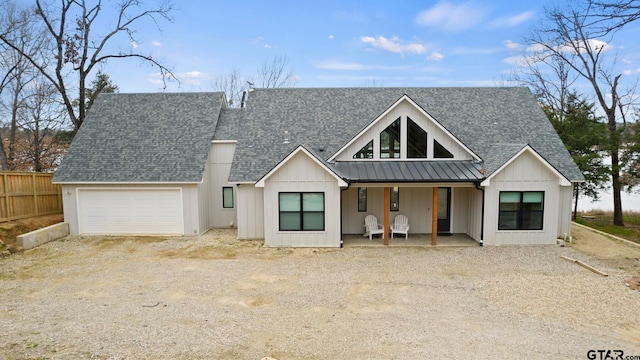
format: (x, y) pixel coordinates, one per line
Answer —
(11, 229)
(613, 252)
(215, 297)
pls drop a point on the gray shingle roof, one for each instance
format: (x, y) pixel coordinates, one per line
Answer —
(329, 117)
(409, 171)
(155, 137)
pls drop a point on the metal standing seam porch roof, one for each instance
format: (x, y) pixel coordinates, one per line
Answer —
(409, 171)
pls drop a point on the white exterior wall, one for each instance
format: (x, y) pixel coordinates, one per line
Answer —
(302, 174)
(219, 166)
(189, 203)
(403, 110)
(250, 212)
(526, 173)
(474, 215)
(565, 207)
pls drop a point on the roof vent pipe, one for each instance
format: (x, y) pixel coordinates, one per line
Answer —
(244, 98)
(286, 137)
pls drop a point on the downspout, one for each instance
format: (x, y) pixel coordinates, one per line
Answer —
(341, 191)
(482, 216)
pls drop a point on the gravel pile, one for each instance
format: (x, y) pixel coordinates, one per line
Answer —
(215, 297)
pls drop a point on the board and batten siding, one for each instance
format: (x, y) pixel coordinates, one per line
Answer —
(250, 212)
(415, 203)
(191, 219)
(302, 174)
(403, 110)
(525, 173)
(219, 163)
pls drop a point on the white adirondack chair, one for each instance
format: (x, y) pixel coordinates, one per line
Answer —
(400, 226)
(371, 227)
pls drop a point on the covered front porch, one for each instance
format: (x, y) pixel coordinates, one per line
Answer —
(443, 214)
(438, 198)
(414, 240)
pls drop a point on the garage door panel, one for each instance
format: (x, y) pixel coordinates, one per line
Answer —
(130, 211)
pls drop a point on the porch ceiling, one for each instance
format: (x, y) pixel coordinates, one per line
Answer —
(410, 171)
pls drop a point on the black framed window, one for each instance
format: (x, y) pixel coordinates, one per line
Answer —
(366, 152)
(521, 210)
(227, 197)
(416, 141)
(362, 199)
(301, 211)
(390, 141)
(440, 152)
(394, 199)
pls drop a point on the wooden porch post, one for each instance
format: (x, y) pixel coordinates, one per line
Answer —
(434, 217)
(385, 234)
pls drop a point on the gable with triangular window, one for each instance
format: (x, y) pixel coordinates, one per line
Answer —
(404, 132)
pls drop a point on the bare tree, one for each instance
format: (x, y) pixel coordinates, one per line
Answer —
(550, 78)
(79, 45)
(568, 38)
(276, 73)
(232, 85)
(20, 74)
(40, 118)
(612, 15)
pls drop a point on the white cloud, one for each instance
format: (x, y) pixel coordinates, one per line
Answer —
(626, 61)
(595, 45)
(135, 45)
(337, 65)
(512, 21)
(631, 72)
(394, 45)
(330, 37)
(156, 43)
(436, 56)
(452, 17)
(512, 45)
(517, 60)
(266, 46)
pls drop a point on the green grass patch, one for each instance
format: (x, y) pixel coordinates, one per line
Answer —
(603, 221)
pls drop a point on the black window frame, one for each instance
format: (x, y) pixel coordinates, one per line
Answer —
(393, 131)
(366, 152)
(362, 199)
(302, 211)
(394, 206)
(414, 138)
(223, 198)
(523, 213)
(441, 152)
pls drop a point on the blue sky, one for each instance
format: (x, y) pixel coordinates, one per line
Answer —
(336, 43)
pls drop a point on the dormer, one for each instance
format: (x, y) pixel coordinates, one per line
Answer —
(404, 132)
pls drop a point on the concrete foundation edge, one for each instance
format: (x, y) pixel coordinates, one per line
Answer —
(43, 236)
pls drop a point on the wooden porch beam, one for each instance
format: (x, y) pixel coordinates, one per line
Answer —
(385, 234)
(434, 217)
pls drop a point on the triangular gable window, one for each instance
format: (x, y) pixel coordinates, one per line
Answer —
(366, 152)
(390, 141)
(440, 152)
(416, 141)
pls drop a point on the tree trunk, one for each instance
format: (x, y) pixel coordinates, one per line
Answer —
(575, 205)
(617, 189)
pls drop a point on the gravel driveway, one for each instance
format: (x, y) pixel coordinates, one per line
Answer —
(215, 297)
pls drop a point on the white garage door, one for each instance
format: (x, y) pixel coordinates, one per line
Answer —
(130, 211)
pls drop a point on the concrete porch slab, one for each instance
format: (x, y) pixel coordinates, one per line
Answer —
(414, 240)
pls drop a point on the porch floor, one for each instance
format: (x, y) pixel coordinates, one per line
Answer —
(415, 240)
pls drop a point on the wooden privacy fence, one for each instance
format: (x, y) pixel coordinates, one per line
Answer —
(27, 194)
